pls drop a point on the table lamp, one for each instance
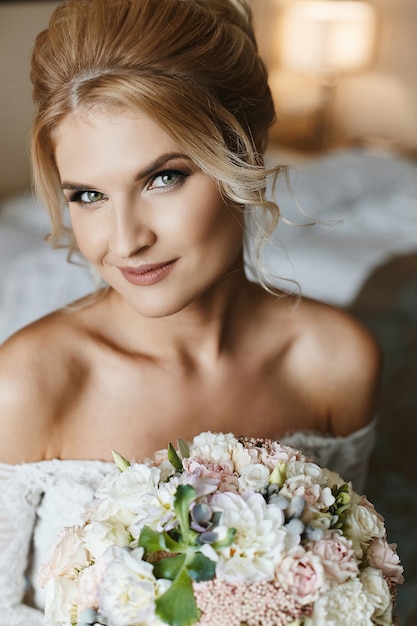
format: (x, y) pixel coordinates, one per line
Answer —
(326, 39)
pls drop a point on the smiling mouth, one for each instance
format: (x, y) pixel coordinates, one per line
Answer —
(148, 274)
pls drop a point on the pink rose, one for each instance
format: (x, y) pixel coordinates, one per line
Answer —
(66, 556)
(301, 575)
(337, 557)
(383, 556)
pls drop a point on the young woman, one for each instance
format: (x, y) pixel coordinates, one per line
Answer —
(151, 118)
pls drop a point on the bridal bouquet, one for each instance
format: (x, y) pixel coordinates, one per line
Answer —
(223, 532)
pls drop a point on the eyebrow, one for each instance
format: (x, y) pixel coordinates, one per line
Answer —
(144, 173)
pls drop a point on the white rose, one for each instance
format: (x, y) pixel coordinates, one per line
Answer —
(300, 468)
(254, 477)
(105, 510)
(361, 525)
(128, 590)
(376, 588)
(60, 601)
(125, 489)
(98, 536)
(348, 600)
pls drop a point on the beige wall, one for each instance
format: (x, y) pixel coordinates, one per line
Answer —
(20, 22)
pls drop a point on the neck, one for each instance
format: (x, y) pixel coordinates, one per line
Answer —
(200, 333)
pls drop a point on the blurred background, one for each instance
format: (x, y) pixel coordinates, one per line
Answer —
(341, 71)
(344, 79)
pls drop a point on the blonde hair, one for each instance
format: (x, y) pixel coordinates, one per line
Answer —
(193, 65)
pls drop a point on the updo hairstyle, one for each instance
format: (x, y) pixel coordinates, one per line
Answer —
(192, 65)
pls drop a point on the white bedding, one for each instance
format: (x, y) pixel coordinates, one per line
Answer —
(364, 205)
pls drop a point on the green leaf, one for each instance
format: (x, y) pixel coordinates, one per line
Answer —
(183, 448)
(172, 545)
(121, 463)
(177, 605)
(151, 540)
(201, 567)
(173, 458)
(184, 496)
(169, 568)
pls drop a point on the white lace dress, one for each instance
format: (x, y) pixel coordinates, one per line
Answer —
(38, 499)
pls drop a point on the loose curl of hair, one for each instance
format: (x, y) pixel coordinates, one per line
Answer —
(192, 65)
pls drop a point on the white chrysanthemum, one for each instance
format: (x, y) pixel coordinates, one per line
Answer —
(348, 600)
(128, 590)
(259, 537)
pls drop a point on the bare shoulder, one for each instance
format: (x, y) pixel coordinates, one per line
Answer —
(35, 371)
(339, 363)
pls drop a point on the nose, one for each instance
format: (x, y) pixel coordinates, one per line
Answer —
(130, 230)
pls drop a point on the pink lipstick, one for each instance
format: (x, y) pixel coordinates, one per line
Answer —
(149, 274)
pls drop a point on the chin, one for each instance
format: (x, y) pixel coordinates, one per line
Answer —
(156, 308)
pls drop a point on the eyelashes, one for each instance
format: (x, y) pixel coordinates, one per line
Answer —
(166, 180)
(87, 196)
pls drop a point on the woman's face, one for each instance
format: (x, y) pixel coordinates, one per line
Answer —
(154, 225)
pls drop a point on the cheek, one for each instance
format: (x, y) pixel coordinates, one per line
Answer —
(220, 222)
(88, 237)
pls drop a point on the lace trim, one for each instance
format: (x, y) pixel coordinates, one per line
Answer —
(22, 488)
(348, 456)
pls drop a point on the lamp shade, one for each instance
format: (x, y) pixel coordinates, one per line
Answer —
(320, 34)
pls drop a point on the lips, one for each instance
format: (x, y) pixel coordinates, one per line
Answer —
(148, 274)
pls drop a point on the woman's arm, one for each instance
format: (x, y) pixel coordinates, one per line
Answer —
(337, 364)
